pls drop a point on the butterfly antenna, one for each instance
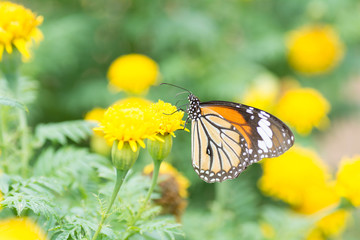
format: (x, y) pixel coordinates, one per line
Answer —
(180, 93)
(176, 86)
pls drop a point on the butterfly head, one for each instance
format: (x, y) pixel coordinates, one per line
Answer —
(193, 110)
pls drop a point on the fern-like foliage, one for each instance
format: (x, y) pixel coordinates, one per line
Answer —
(158, 228)
(76, 131)
(77, 227)
(6, 101)
(35, 194)
(75, 167)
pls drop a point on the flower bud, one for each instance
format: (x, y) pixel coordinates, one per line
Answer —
(125, 158)
(160, 150)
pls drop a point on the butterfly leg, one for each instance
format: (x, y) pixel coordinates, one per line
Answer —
(186, 121)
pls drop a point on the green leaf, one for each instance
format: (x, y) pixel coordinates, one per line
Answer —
(78, 227)
(76, 131)
(69, 164)
(160, 228)
(36, 194)
(13, 103)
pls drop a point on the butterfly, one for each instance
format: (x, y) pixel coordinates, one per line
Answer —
(227, 137)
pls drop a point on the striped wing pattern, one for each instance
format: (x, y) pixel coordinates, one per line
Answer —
(228, 137)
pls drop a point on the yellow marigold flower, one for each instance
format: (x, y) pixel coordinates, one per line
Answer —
(134, 100)
(331, 225)
(262, 93)
(95, 115)
(315, 234)
(303, 108)
(314, 49)
(170, 119)
(318, 197)
(348, 179)
(334, 223)
(133, 73)
(20, 229)
(18, 27)
(289, 176)
(130, 123)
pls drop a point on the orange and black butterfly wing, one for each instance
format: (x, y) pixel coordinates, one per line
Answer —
(228, 137)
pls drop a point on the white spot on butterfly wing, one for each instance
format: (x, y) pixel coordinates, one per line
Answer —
(265, 125)
(262, 145)
(266, 139)
(265, 114)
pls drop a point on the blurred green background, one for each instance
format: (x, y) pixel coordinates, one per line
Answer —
(216, 49)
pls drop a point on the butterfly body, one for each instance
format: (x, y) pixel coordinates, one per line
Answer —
(227, 137)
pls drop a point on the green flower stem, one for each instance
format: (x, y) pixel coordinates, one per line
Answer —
(2, 140)
(157, 164)
(155, 176)
(120, 176)
(24, 142)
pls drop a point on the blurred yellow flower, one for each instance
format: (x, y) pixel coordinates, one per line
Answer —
(173, 187)
(20, 229)
(134, 100)
(170, 119)
(303, 108)
(334, 223)
(318, 197)
(348, 179)
(18, 27)
(130, 123)
(95, 114)
(315, 234)
(331, 226)
(133, 73)
(263, 93)
(314, 49)
(289, 176)
(97, 143)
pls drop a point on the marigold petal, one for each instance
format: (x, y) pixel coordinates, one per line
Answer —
(8, 48)
(160, 139)
(120, 145)
(141, 143)
(133, 145)
(348, 179)
(37, 35)
(21, 45)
